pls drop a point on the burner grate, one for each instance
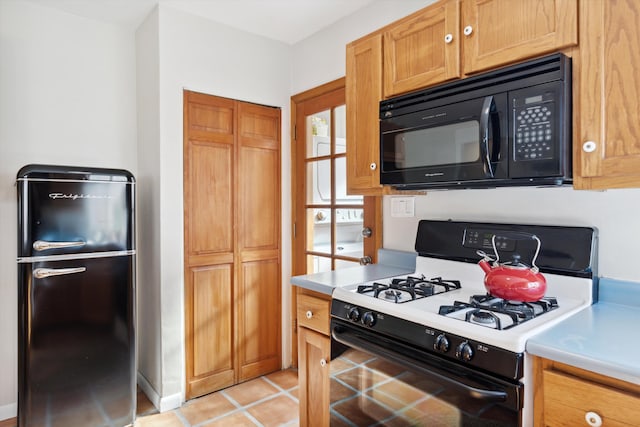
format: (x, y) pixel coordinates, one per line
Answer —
(401, 290)
(484, 310)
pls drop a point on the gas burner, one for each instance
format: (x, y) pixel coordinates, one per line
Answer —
(497, 313)
(483, 317)
(394, 295)
(410, 288)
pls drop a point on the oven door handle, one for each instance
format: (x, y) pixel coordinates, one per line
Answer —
(353, 341)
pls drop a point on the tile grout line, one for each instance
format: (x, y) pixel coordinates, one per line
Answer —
(238, 408)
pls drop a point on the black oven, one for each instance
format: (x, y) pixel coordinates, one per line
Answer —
(380, 380)
(507, 127)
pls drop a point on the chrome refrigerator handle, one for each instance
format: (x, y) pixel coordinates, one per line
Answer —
(41, 273)
(42, 245)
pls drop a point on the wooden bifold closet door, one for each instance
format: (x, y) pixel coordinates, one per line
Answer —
(232, 241)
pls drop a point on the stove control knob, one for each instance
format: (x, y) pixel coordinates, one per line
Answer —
(369, 319)
(353, 314)
(442, 343)
(464, 351)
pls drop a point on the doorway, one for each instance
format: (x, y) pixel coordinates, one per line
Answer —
(331, 228)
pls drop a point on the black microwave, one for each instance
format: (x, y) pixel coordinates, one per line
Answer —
(506, 127)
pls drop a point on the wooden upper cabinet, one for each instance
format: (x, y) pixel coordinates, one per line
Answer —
(422, 49)
(497, 32)
(607, 144)
(453, 38)
(363, 94)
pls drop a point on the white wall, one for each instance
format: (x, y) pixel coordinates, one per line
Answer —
(64, 99)
(613, 212)
(149, 344)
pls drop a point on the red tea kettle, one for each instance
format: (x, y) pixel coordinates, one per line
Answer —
(513, 280)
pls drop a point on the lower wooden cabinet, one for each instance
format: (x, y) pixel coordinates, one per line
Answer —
(314, 351)
(569, 396)
(314, 354)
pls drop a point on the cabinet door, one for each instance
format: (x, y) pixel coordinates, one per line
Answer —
(607, 151)
(363, 94)
(497, 32)
(209, 243)
(258, 224)
(314, 351)
(423, 49)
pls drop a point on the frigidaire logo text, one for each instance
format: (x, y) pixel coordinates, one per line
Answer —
(55, 196)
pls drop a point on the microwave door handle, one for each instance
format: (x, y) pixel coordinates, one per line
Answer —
(485, 116)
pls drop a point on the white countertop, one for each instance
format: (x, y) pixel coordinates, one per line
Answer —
(603, 338)
(390, 263)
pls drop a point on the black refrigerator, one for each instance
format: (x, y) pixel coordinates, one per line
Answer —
(76, 296)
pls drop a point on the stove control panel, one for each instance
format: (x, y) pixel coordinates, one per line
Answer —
(453, 347)
(477, 238)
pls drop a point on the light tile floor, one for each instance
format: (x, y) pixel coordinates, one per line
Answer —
(267, 401)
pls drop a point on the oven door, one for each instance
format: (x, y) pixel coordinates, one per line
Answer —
(378, 381)
(461, 142)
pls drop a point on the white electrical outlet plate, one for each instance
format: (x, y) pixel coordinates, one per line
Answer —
(402, 207)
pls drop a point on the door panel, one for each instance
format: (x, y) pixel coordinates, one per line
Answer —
(210, 217)
(259, 318)
(260, 198)
(213, 319)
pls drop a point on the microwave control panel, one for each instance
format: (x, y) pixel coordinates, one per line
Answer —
(534, 123)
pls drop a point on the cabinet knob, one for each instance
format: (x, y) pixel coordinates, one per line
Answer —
(309, 314)
(448, 38)
(593, 419)
(589, 147)
(366, 232)
(373, 166)
(323, 362)
(468, 30)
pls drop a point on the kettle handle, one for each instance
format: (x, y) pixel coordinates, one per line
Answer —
(517, 235)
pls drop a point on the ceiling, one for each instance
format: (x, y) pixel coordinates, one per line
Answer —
(288, 21)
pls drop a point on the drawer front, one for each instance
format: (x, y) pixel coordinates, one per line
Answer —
(313, 313)
(567, 400)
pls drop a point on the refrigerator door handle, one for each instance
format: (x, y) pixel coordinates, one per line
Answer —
(42, 245)
(41, 273)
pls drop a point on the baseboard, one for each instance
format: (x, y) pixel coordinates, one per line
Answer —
(170, 402)
(8, 411)
(162, 404)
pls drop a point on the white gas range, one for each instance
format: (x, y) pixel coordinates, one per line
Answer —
(567, 295)
(442, 311)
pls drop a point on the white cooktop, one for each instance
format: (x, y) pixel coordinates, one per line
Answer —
(572, 294)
